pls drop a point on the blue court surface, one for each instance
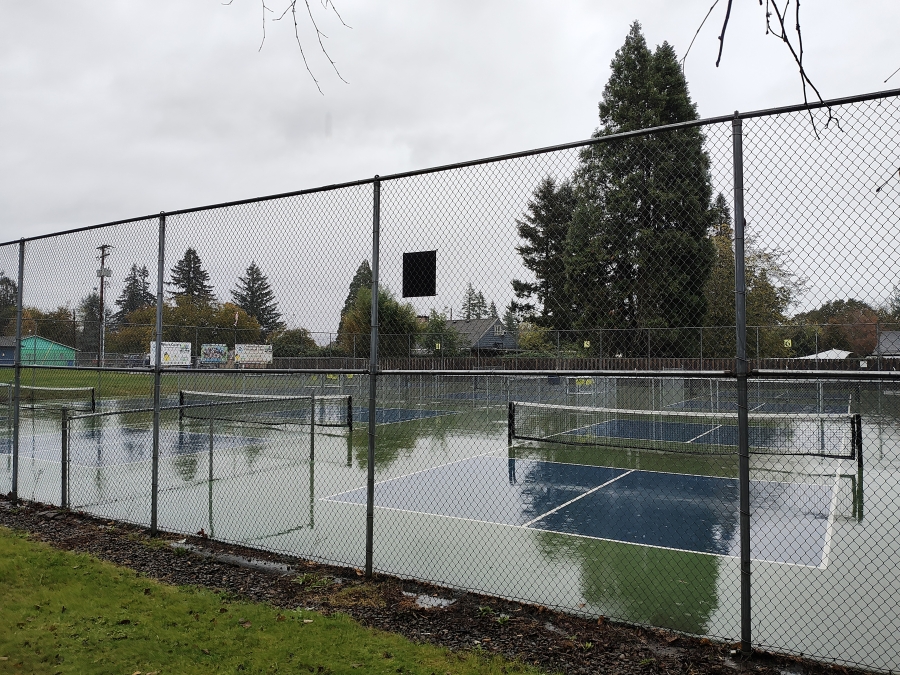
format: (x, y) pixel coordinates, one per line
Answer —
(395, 415)
(830, 405)
(681, 432)
(121, 445)
(790, 521)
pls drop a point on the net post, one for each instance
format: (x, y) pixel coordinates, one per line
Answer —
(93, 400)
(741, 375)
(373, 371)
(17, 381)
(510, 423)
(312, 428)
(857, 440)
(211, 420)
(350, 413)
(64, 460)
(157, 375)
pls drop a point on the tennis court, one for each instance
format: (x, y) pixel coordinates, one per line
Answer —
(595, 505)
(673, 511)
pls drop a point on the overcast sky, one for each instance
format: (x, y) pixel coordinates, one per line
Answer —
(124, 108)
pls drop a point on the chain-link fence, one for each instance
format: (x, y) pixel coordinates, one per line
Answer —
(650, 376)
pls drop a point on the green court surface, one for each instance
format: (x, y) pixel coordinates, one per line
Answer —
(639, 535)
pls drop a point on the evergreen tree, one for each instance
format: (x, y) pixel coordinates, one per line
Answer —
(492, 311)
(190, 280)
(638, 252)
(361, 279)
(544, 229)
(511, 317)
(9, 291)
(480, 309)
(254, 295)
(474, 306)
(88, 312)
(470, 300)
(136, 293)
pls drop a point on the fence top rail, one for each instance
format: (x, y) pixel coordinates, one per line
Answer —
(485, 160)
(825, 374)
(567, 373)
(150, 370)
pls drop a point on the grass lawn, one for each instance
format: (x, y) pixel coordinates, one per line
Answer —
(71, 613)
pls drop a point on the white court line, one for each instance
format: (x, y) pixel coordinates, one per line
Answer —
(706, 432)
(826, 550)
(331, 498)
(722, 425)
(581, 496)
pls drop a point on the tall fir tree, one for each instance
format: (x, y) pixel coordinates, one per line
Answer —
(544, 228)
(638, 251)
(190, 280)
(474, 305)
(8, 296)
(88, 315)
(511, 317)
(255, 296)
(136, 293)
(361, 279)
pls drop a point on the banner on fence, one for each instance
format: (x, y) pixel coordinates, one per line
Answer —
(252, 354)
(214, 354)
(173, 354)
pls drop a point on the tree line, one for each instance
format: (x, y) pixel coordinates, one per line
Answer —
(635, 245)
(630, 255)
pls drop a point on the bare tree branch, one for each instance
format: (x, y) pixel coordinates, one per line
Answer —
(292, 9)
(892, 74)
(784, 35)
(702, 23)
(320, 35)
(724, 28)
(882, 186)
(798, 57)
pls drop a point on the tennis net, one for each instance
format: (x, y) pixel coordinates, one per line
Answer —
(81, 399)
(836, 435)
(322, 411)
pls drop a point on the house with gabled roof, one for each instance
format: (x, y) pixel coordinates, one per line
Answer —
(484, 335)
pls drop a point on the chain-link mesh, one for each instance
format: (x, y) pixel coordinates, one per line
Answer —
(558, 408)
(816, 219)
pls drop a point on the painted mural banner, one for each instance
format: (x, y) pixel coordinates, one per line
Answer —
(214, 354)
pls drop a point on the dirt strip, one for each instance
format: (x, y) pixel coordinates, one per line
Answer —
(554, 641)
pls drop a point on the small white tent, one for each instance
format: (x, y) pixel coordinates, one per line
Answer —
(829, 355)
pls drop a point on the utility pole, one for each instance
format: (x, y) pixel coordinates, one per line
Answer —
(102, 273)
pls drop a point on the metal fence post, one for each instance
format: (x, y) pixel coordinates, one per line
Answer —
(17, 375)
(312, 428)
(373, 370)
(64, 461)
(157, 374)
(740, 308)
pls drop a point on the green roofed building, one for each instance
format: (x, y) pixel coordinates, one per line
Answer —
(38, 351)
